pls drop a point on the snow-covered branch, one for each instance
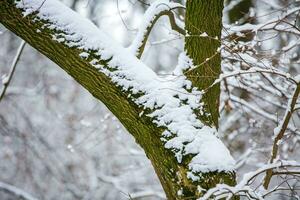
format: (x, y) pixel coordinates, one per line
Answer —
(243, 188)
(252, 70)
(154, 12)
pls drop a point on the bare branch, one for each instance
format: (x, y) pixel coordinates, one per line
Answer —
(6, 80)
(154, 12)
(279, 132)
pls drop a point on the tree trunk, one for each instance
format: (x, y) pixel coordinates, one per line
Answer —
(172, 174)
(204, 17)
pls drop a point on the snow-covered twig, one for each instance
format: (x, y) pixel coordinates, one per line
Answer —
(223, 191)
(251, 71)
(269, 25)
(154, 12)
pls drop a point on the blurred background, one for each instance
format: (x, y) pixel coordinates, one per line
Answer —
(58, 142)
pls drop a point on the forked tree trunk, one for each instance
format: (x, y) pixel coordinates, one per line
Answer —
(201, 16)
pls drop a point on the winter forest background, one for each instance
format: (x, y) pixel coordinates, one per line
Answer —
(58, 142)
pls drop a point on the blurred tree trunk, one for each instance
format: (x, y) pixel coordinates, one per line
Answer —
(240, 11)
(201, 16)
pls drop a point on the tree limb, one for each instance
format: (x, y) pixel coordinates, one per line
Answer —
(8, 78)
(279, 132)
(153, 13)
(16, 192)
(37, 33)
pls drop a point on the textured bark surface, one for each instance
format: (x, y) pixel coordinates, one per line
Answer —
(172, 175)
(205, 16)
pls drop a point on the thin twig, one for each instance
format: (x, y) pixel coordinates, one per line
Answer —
(138, 50)
(18, 193)
(280, 133)
(7, 79)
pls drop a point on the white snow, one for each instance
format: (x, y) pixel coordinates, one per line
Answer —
(84, 55)
(184, 63)
(297, 78)
(5, 79)
(171, 98)
(243, 187)
(204, 34)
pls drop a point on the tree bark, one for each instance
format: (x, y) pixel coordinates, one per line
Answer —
(172, 175)
(203, 24)
(204, 17)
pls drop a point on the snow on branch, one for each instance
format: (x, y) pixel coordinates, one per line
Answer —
(154, 12)
(243, 188)
(251, 71)
(171, 101)
(16, 192)
(269, 25)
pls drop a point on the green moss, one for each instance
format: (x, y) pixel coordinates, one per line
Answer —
(205, 16)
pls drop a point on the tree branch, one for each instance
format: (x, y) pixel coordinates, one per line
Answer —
(6, 80)
(279, 132)
(251, 71)
(153, 13)
(243, 187)
(16, 192)
(70, 56)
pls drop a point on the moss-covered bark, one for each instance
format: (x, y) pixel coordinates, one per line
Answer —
(173, 176)
(205, 16)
